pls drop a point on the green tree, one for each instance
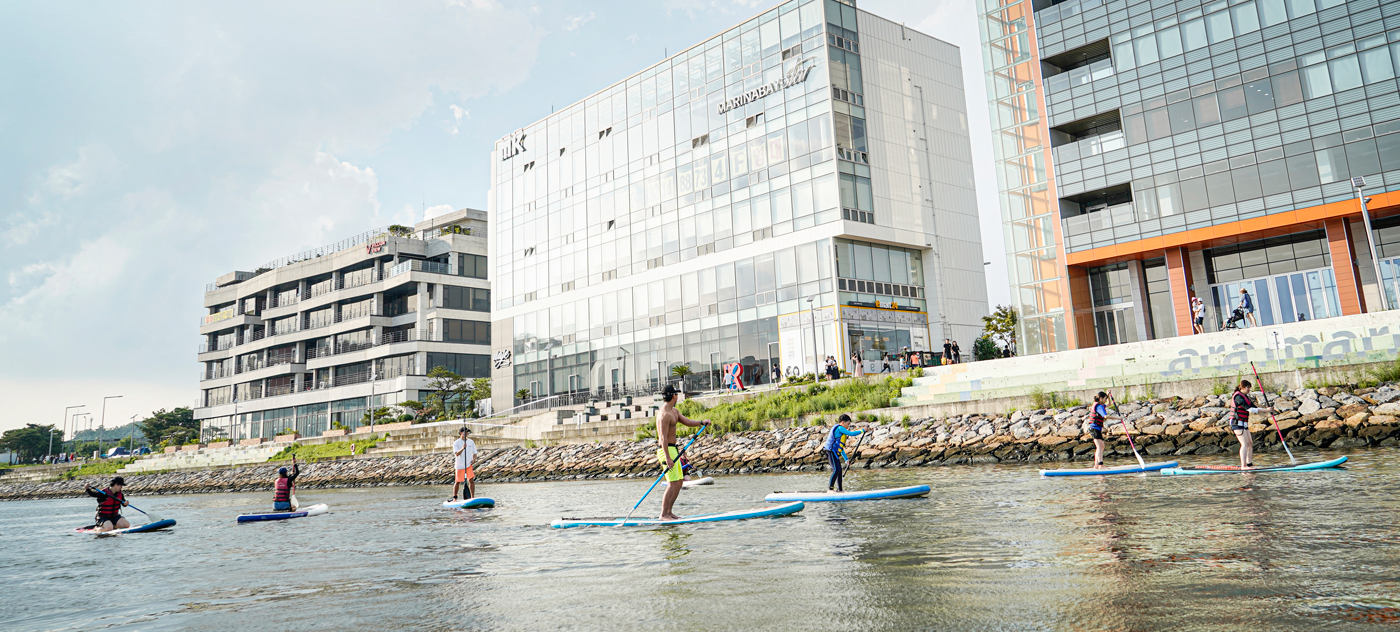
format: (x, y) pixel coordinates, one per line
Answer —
(680, 370)
(413, 406)
(29, 442)
(1000, 327)
(523, 395)
(173, 427)
(480, 391)
(984, 349)
(383, 414)
(447, 390)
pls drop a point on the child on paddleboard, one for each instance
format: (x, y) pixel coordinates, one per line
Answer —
(668, 453)
(1097, 417)
(285, 488)
(1239, 422)
(109, 505)
(464, 451)
(834, 449)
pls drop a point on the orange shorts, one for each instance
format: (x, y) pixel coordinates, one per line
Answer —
(463, 475)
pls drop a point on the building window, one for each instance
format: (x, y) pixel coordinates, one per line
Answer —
(466, 331)
(463, 364)
(473, 266)
(1160, 312)
(466, 298)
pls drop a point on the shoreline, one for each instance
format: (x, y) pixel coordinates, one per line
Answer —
(1163, 429)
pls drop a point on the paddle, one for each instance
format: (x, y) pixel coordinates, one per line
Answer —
(151, 516)
(856, 449)
(663, 475)
(1125, 430)
(1271, 412)
(293, 496)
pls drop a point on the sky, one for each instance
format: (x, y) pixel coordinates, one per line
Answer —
(147, 148)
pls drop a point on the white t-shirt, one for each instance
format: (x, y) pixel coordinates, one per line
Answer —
(468, 448)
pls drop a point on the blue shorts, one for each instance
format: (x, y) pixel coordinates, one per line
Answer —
(276, 506)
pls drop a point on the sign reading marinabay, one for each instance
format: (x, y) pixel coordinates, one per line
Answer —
(792, 77)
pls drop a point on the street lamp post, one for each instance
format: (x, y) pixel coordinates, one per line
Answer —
(372, 375)
(1357, 183)
(102, 424)
(65, 428)
(813, 315)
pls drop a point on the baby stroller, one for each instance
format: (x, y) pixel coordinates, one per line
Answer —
(1236, 318)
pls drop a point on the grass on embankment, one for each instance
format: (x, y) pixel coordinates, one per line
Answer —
(105, 467)
(845, 396)
(326, 450)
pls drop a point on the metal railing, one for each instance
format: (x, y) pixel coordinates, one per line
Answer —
(419, 266)
(204, 347)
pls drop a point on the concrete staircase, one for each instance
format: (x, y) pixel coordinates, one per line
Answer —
(204, 458)
(35, 473)
(438, 437)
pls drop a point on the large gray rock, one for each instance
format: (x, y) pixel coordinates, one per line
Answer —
(1309, 406)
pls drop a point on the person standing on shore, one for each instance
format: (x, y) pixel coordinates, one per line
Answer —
(109, 505)
(947, 351)
(285, 488)
(668, 453)
(1097, 416)
(833, 448)
(857, 367)
(1198, 315)
(464, 451)
(957, 353)
(1239, 422)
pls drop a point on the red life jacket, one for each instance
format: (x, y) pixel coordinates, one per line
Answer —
(1242, 405)
(283, 491)
(109, 506)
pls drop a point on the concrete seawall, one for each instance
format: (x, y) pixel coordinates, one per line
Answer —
(1164, 428)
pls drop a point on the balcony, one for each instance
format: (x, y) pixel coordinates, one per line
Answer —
(214, 318)
(1064, 10)
(1083, 75)
(419, 266)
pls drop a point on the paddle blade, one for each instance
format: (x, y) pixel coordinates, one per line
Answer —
(295, 504)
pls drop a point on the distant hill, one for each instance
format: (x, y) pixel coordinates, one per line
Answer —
(111, 434)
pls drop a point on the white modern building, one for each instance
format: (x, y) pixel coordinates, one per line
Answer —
(799, 186)
(320, 337)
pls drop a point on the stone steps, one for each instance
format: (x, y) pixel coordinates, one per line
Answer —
(35, 474)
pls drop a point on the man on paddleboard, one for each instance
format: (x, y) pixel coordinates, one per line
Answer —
(464, 450)
(669, 454)
(1239, 422)
(285, 488)
(1097, 417)
(109, 506)
(835, 450)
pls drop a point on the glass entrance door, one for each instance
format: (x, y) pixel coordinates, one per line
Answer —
(1283, 298)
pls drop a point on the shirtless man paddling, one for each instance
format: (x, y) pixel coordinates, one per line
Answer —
(669, 454)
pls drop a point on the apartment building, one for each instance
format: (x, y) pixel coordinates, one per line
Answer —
(1150, 152)
(314, 340)
(796, 187)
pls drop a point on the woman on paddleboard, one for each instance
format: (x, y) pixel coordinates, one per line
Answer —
(285, 488)
(1239, 422)
(109, 505)
(835, 450)
(1097, 417)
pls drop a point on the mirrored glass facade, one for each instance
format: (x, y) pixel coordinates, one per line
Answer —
(686, 215)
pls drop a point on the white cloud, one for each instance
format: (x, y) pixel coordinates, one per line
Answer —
(434, 211)
(459, 114)
(573, 23)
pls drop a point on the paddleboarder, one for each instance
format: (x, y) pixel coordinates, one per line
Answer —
(1097, 417)
(109, 505)
(1239, 422)
(285, 488)
(464, 449)
(669, 453)
(835, 450)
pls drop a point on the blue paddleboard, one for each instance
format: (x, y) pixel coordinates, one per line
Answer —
(314, 510)
(913, 491)
(1235, 469)
(1124, 469)
(742, 514)
(153, 526)
(470, 503)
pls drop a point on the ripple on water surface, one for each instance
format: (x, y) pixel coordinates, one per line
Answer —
(992, 548)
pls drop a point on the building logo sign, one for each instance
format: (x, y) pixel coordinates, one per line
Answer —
(514, 145)
(796, 75)
(374, 247)
(501, 359)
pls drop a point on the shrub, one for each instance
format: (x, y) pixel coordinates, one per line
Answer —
(984, 349)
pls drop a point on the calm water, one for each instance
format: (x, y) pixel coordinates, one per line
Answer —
(995, 548)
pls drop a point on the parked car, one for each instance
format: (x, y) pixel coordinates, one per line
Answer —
(143, 450)
(116, 452)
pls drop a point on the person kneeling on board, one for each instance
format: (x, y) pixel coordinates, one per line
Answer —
(285, 488)
(1239, 422)
(464, 450)
(109, 505)
(669, 453)
(1097, 416)
(835, 450)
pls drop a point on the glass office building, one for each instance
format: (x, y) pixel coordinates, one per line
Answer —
(797, 187)
(1149, 152)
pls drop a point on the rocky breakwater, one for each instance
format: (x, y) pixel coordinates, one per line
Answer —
(1163, 428)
